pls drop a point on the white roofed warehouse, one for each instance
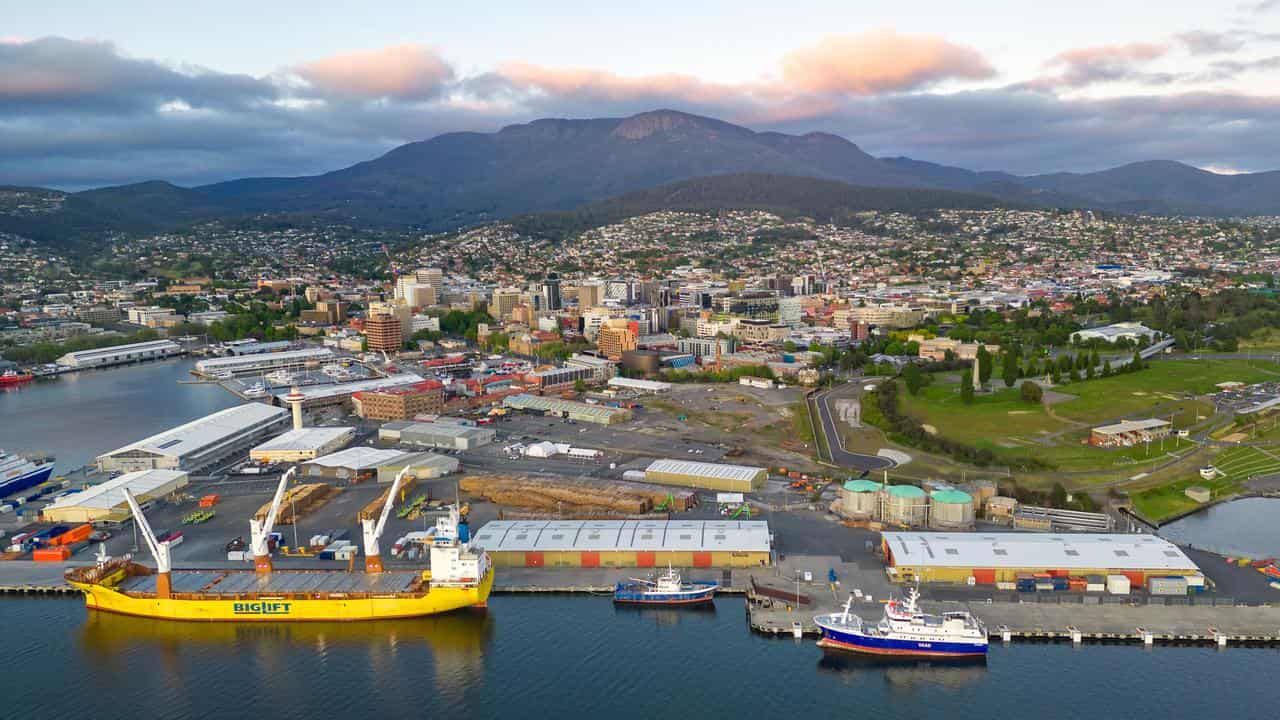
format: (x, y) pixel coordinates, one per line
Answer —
(200, 444)
(106, 503)
(626, 543)
(990, 558)
(708, 476)
(303, 444)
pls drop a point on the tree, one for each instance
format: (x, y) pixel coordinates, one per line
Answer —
(579, 385)
(966, 387)
(1009, 372)
(914, 379)
(1137, 363)
(1106, 369)
(1093, 358)
(984, 365)
(1031, 393)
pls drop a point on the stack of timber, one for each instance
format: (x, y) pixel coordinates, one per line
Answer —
(561, 495)
(298, 501)
(374, 508)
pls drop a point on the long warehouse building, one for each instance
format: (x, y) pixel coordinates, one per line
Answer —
(568, 409)
(303, 444)
(107, 503)
(708, 476)
(989, 558)
(263, 361)
(627, 543)
(200, 444)
(120, 354)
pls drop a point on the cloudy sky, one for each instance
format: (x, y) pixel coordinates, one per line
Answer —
(149, 89)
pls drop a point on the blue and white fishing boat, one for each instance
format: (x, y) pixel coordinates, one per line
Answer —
(666, 589)
(905, 630)
(18, 473)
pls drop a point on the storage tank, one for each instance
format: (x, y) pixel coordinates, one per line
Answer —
(906, 505)
(860, 499)
(950, 509)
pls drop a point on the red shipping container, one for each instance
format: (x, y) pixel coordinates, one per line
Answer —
(533, 559)
(79, 533)
(590, 558)
(51, 554)
(702, 559)
(646, 558)
(984, 576)
(1136, 579)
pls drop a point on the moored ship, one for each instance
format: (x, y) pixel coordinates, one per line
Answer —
(905, 630)
(666, 589)
(13, 377)
(460, 576)
(18, 473)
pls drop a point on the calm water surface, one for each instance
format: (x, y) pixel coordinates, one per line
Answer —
(578, 657)
(78, 416)
(1248, 526)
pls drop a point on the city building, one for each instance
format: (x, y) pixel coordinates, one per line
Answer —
(986, 558)
(590, 295)
(551, 300)
(886, 316)
(99, 315)
(639, 386)
(200, 444)
(447, 435)
(153, 316)
(350, 465)
(701, 347)
(402, 403)
(626, 543)
(504, 301)
(1127, 433)
(263, 362)
(601, 368)
(567, 409)
(317, 396)
(106, 502)
(708, 476)
(383, 333)
(615, 337)
(120, 354)
(559, 377)
(302, 445)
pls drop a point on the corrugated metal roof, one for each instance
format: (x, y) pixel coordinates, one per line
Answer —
(357, 458)
(311, 438)
(317, 392)
(121, 350)
(1112, 551)
(110, 494)
(534, 402)
(197, 435)
(624, 535)
(252, 360)
(702, 469)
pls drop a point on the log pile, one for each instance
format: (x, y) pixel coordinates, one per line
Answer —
(298, 501)
(563, 495)
(374, 508)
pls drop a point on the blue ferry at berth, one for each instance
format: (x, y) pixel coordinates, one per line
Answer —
(18, 473)
(666, 589)
(905, 630)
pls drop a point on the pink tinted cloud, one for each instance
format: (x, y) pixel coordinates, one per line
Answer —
(404, 72)
(1104, 63)
(879, 62)
(603, 84)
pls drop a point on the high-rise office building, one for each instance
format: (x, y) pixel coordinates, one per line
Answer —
(551, 293)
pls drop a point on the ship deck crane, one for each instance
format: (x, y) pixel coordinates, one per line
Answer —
(372, 531)
(159, 550)
(260, 530)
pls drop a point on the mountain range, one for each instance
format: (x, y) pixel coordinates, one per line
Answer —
(463, 178)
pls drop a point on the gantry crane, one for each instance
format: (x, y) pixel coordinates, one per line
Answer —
(260, 530)
(372, 531)
(159, 550)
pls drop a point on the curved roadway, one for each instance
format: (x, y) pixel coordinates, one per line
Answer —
(835, 447)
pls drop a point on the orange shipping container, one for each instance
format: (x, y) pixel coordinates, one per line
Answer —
(79, 533)
(209, 501)
(51, 554)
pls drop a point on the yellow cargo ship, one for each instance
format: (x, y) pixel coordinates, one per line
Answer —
(128, 588)
(460, 577)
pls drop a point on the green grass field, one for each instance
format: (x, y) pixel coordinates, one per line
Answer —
(1235, 465)
(1162, 382)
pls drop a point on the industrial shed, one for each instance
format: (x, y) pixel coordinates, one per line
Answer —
(357, 463)
(200, 444)
(303, 444)
(453, 436)
(106, 502)
(569, 409)
(422, 466)
(1000, 557)
(626, 543)
(709, 476)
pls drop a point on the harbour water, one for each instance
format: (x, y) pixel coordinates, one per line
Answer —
(77, 416)
(561, 656)
(1239, 527)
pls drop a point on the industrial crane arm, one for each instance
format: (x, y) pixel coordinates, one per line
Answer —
(261, 531)
(159, 550)
(372, 532)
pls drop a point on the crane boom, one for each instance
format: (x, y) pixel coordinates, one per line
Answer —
(159, 550)
(373, 532)
(260, 530)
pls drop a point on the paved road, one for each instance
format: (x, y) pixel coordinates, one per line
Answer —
(827, 426)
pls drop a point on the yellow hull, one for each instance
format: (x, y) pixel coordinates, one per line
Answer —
(284, 608)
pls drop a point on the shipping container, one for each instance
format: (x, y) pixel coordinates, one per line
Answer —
(1118, 584)
(80, 533)
(1167, 586)
(51, 554)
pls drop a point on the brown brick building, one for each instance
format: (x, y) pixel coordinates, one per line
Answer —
(426, 397)
(384, 333)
